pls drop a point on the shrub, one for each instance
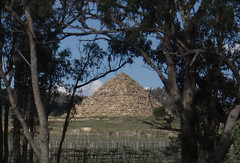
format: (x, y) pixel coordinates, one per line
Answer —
(159, 112)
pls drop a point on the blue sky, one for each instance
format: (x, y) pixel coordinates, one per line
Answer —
(139, 71)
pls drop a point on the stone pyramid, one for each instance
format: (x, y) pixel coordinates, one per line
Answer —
(120, 96)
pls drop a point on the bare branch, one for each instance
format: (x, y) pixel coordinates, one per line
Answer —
(232, 67)
(13, 13)
(23, 57)
(102, 75)
(44, 135)
(194, 59)
(148, 60)
(160, 126)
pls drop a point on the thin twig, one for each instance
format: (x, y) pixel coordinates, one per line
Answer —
(23, 57)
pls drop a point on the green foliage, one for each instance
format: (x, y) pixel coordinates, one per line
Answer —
(156, 28)
(56, 113)
(163, 116)
(174, 145)
(213, 97)
(236, 141)
(159, 112)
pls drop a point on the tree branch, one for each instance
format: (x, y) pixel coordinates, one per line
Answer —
(13, 13)
(226, 138)
(232, 67)
(102, 75)
(23, 57)
(157, 125)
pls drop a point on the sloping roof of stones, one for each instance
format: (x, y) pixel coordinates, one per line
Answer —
(120, 96)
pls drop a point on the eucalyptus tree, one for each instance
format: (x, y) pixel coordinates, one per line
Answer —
(26, 19)
(174, 37)
(32, 63)
(94, 60)
(1, 110)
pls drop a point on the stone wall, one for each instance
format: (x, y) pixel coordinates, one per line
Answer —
(120, 96)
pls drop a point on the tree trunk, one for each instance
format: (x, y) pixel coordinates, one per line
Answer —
(1, 128)
(207, 136)
(18, 99)
(28, 106)
(24, 149)
(42, 151)
(6, 132)
(202, 155)
(1, 109)
(19, 116)
(31, 128)
(16, 140)
(189, 141)
(226, 139)
(44, 135)
(66, 123)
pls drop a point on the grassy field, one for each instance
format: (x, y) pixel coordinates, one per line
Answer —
(108, 137)
(122, 126)
(111, 139)
(109, 133)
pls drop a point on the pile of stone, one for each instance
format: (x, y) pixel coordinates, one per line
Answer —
(120, 96)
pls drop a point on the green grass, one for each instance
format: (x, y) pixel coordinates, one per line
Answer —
(108, 125)
(112, 134)
(108, 133)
